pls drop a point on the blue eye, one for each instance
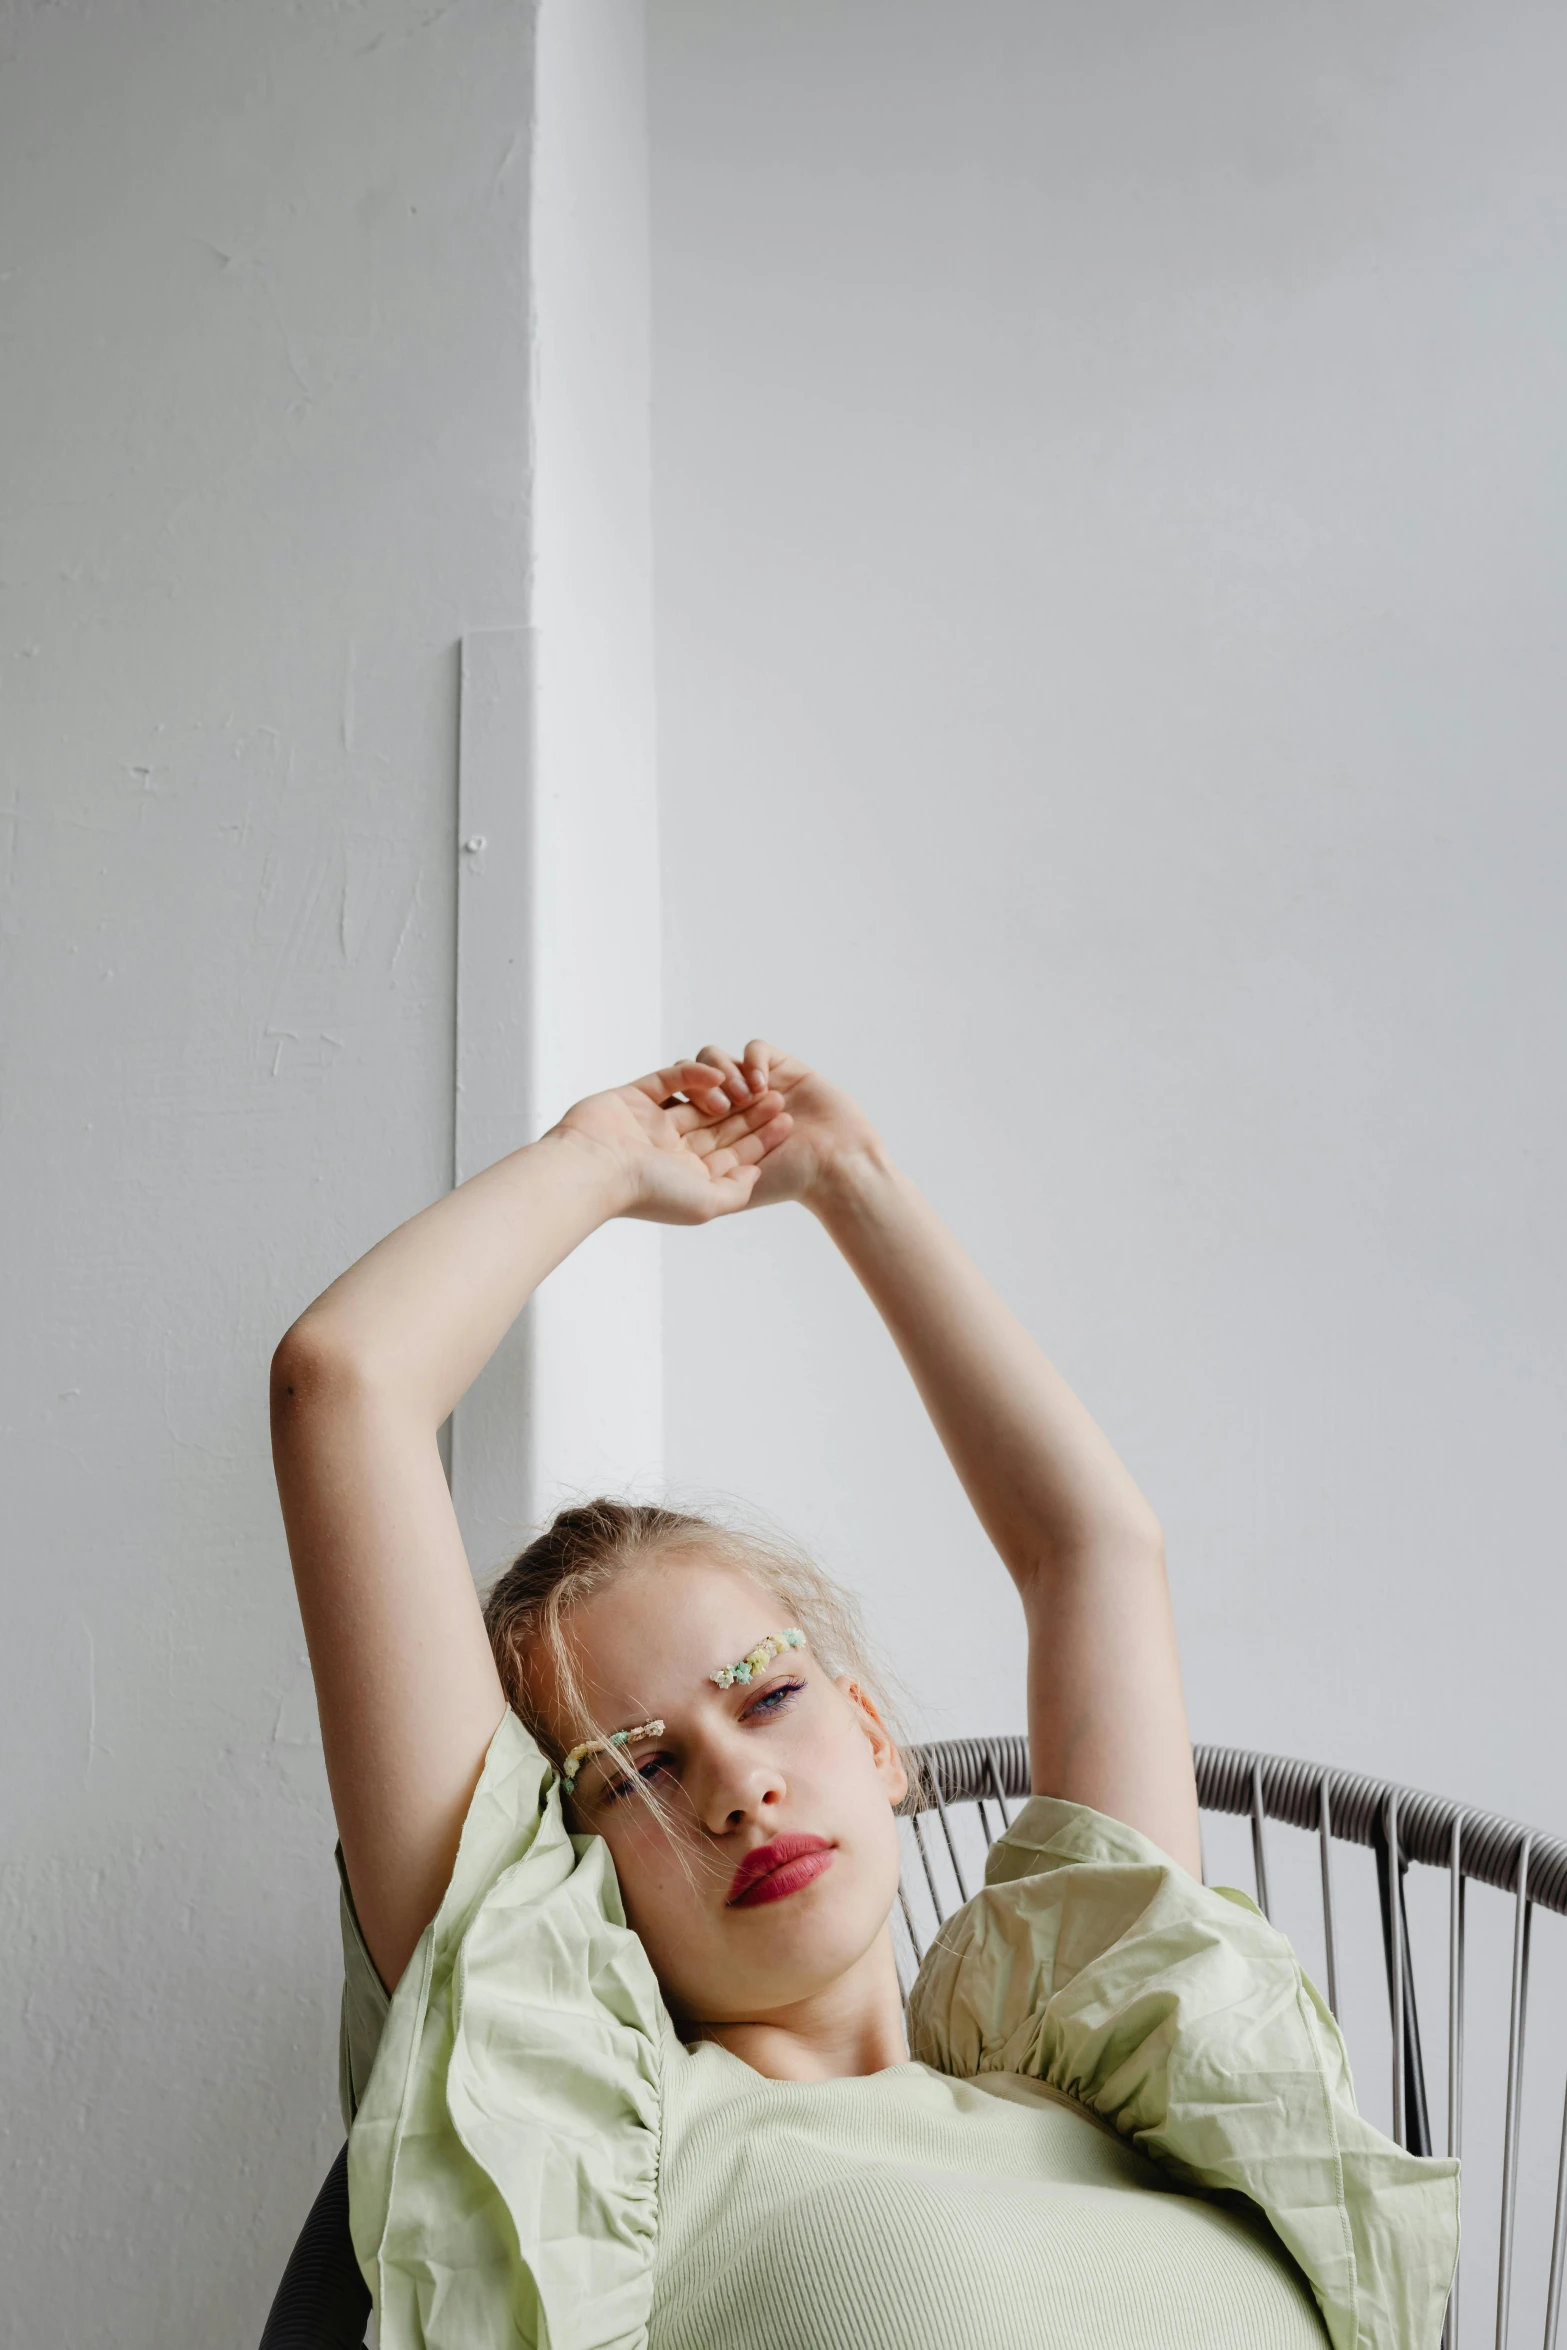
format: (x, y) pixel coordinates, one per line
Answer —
(772, 1701)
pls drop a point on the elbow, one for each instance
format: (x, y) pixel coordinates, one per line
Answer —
(1137, 1545)
(1129, 1548)
(1124, 1528)
(1128, 1529)
(309, 1369)
(1144, 1534)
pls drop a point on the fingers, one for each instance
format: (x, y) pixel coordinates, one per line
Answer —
(734, 1172)
(731, 1191)
(713, 1082)
(703, 1087)
(752, 1148)
(744, 1126)
(766, 1138)
(747, 1077)
(761, 1058)
(735, 1081)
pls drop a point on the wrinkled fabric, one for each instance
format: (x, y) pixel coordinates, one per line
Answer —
(1093, 1963)
(508, 2152)
(502, 2165)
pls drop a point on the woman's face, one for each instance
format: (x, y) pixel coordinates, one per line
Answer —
(791, 1754)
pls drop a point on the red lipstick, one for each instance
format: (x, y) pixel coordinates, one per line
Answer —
(773, 1871)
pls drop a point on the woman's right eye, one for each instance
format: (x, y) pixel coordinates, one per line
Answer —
(645, 1771)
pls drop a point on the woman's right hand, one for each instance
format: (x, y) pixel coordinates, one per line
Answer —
(674, 1160)
(828, 1131)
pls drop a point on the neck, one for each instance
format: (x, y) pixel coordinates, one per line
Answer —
(852, 2027)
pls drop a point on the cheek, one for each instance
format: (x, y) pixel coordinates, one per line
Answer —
(668, 1888)
(674, 1921)
(834, 1772)
(878, 1843)
(835, 1789)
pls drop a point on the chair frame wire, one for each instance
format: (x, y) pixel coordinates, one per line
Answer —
(1325, 1839)
(908, 1919)
(1522, 1920)
(1396, 1973)
(952, 1850)
(930, 1874)
(1401, 1826)
(1457, 1889)
(1553, 2298)
(995, 1780)
(1259, 1856)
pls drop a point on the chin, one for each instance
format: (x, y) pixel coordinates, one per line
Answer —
(803, 1957)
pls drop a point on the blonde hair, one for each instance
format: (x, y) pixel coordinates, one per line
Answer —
(587, 1546)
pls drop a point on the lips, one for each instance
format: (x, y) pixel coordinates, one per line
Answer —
(774, 1870)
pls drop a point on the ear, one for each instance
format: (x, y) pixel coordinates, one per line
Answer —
(889, 1762)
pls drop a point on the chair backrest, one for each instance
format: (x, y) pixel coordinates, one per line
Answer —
(1359, 1918)
(1336, 1875)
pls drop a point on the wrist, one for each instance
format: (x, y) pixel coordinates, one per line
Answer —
(853, 1183)
(597, 1170)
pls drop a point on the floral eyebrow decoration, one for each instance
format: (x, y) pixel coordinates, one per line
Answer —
(754, 1661)
(758, 1658)
(579, 1754)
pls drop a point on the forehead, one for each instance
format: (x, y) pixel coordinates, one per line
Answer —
(647, 1642)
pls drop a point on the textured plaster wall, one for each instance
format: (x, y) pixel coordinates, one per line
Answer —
(598, 1406)
(266, 367)
(1109, 503)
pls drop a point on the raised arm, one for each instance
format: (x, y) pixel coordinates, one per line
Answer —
(1107, 1721)
(406, 1686)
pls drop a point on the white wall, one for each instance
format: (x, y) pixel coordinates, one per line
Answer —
(1108, 600)
(582, 1374)
(271, 451)
(1109, 488)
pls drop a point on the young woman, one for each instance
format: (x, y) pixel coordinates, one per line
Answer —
(624, 2043)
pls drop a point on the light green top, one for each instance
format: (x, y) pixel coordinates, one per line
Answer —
(1100, 2047)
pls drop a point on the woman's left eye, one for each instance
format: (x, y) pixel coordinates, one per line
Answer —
(772, 1700)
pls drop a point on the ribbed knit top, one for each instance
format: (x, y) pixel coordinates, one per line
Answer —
(911, 2211)
(1100, 2045)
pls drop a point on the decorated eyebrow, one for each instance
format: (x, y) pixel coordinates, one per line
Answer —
(579, 1754)
(757, 1659)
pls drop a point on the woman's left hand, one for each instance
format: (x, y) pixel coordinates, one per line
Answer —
(682, 1151)
(829, 1129)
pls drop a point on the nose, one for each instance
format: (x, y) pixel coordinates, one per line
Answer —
(735, 1785)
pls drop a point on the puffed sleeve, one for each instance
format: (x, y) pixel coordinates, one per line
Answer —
(1094, 1963)
(503, 2161)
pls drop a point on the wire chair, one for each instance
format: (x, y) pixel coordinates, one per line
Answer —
(965, 1788)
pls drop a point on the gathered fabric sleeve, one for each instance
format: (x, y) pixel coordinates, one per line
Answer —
(1093, 1963)
(503, 2159)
